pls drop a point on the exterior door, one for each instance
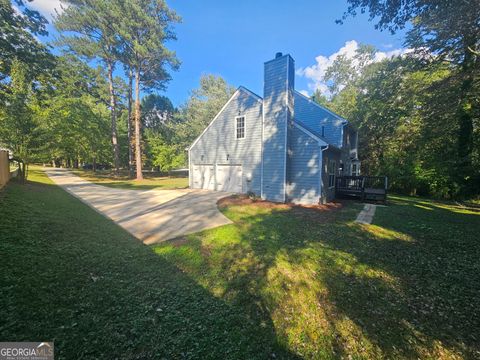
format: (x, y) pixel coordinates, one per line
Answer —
(229, 178)
(204, 177)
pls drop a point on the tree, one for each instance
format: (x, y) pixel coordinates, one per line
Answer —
(131, 145)
(202, 106)
(166, 156)
(443, 31)
(145, 27)
(91, 21)
(320, 98)
(403, 111)
(157, 110)
(18, 43)
(72, 114)
(16, 118)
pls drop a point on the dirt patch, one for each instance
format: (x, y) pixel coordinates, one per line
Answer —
(240, 200)
(181, 241)
(177, 242)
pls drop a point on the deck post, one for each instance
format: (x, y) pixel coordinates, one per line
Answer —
(363, 188)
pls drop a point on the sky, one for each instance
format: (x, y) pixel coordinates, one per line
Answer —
(234, 38)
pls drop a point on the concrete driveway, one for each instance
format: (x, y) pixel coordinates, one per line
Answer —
(151, 216)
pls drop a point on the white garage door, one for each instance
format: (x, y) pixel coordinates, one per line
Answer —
(204, 177)
(229, 178)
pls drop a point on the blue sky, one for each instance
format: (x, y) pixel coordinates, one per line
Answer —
(234, 38)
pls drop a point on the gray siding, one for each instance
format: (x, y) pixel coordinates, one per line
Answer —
(278, 111)
(279, 160)
(314, 117)
(219, 140)
(304, 168)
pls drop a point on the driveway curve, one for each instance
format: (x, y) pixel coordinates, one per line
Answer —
(151, 216)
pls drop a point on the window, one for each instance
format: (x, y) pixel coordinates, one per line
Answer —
(323, 131)
(240, 127)
(354, 169)
(332, 166)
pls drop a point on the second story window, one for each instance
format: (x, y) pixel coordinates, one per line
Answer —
(240, 127)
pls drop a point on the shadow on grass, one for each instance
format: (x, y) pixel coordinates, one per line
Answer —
(71, 276)
(405, 287)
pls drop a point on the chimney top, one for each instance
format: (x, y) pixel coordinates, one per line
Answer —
(278, 54)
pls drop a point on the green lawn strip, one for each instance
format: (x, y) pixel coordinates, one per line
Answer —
(405, 287)
(106, 178)
(71, 276)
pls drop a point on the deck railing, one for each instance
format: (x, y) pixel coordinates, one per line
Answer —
(365, 187)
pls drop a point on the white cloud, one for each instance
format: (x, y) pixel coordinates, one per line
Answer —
(304, 92)
(46, 7)
(316, 72)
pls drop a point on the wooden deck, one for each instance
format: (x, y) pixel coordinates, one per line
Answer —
(363, 187)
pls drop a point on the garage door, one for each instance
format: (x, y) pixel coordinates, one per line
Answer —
(204, 177)
(229, 178)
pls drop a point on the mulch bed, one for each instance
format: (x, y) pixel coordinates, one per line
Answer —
(241, 200)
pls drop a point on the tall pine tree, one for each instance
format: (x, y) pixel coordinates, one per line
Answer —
(94, 37)
(145, 28)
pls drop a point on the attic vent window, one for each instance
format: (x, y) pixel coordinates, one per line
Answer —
(240, 127)
(323, 131)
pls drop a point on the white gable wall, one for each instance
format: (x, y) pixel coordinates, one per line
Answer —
(218, 144)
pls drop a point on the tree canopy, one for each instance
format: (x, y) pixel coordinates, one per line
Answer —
(442, 33)
(102, 98)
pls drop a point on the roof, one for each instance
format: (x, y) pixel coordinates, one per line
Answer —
(310, 132)
(304, 128)
(315, 135)
(321, 107)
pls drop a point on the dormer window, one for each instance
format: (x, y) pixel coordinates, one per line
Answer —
(240, 127)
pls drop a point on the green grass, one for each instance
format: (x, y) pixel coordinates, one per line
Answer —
(106, 178)
(279, 282)
(405, 287)
(71, 276)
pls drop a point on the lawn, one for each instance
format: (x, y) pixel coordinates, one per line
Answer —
(407, 286)
(122, 181)
(69, 275)
(280, 282)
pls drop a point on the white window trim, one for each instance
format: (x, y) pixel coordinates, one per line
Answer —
(244, 127)
(354, 173)
(330, 174)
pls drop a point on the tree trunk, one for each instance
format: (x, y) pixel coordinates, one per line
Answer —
(94, 165)
(465, 119)
(138, 148)
(113, 114)
(131, 148)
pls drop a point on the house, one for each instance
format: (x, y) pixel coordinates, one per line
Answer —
(283, 147)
